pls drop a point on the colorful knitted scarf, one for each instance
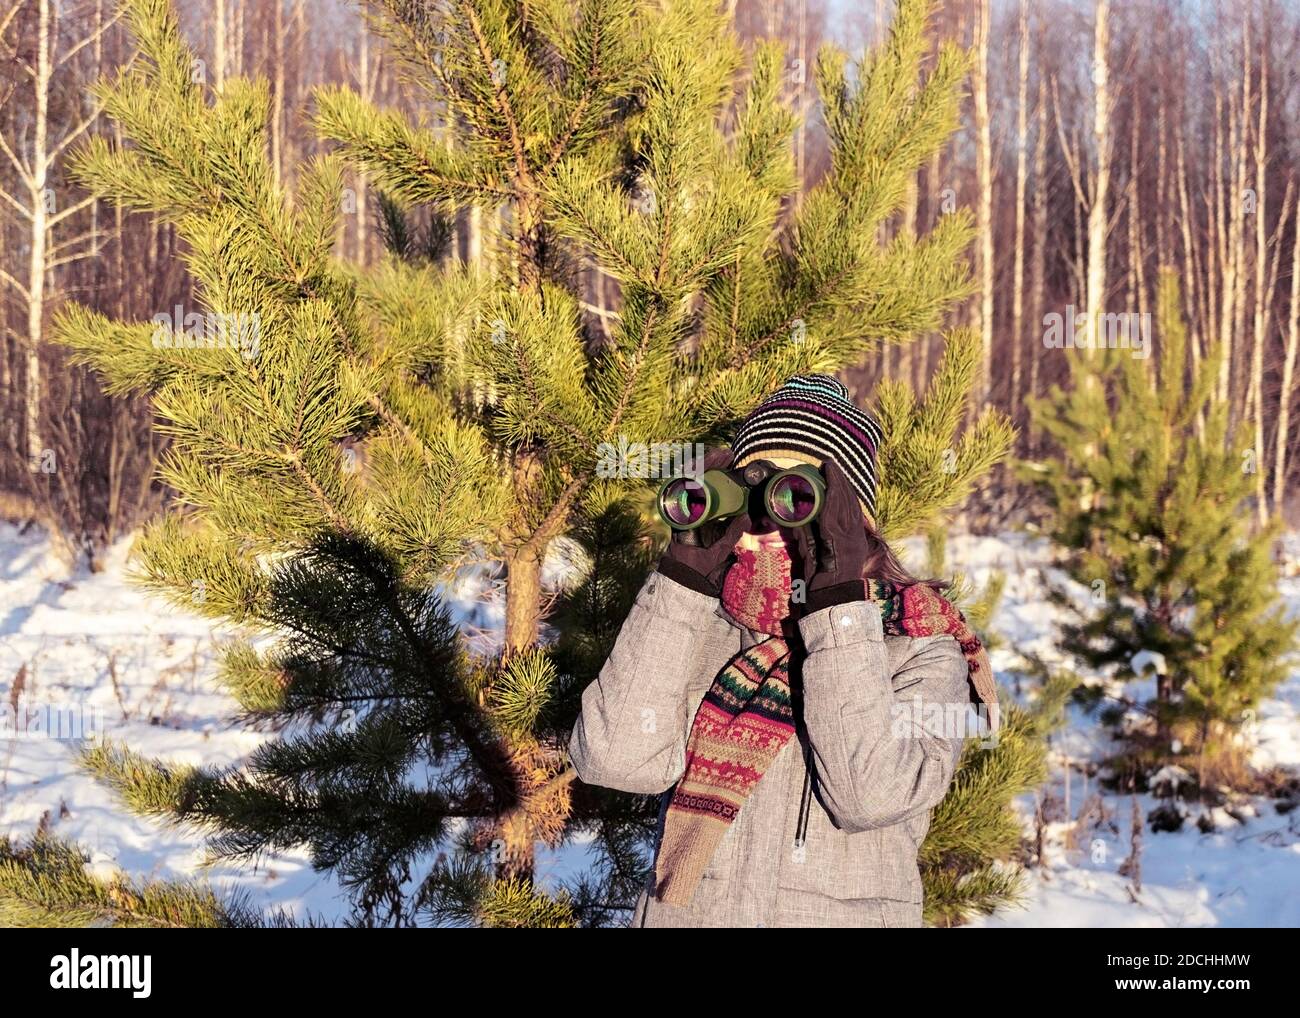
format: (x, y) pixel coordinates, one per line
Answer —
(746, 717)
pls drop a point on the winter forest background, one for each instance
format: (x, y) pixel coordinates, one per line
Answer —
(1122, 524)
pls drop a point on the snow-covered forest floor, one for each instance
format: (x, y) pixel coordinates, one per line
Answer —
(147, 670)
(1244, 872)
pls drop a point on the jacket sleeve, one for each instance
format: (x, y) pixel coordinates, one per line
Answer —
(885, 742)
(636, 716)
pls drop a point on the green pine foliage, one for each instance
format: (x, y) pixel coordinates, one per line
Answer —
(46, 882)
(969, 858)
(1152, 498)
(392, 424)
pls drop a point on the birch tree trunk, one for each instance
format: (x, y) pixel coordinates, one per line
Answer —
(1255, 397)
(40, 213)
(984, 174)
(1192, 268)
(367, 93)
(219, 44)
(1038, 260)
(237, 47)
(1022, 159)
(1270, 293)
(1097, 219)
(1288, 375)
(1231, 236)
(1238, 384)
(934, 209)
(32, 156)
(1137, 268)
(277, 100)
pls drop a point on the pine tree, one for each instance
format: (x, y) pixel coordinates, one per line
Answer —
(979, 606)
(47, 882)
(967, 859)
(333, 474)
(1150, 498)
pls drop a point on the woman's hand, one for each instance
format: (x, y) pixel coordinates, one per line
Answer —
(832, 550)
(701, 560)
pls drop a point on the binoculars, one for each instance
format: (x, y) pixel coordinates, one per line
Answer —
(791, 498)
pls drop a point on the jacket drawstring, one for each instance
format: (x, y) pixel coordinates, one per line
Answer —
(805, 801)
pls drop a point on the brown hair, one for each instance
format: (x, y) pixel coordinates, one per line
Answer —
(883, 564)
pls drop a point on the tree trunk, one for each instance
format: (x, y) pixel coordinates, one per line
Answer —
(984, 172)
(1136, 241)
(1288, 375)
(523, 599)
(1097, 218)
(1239, 382)
(523, 561)
(934, 205)
(1022, 159)
(219, 45)
(368, 94)
(1255, 398)
(40, 213)
(1038, 263)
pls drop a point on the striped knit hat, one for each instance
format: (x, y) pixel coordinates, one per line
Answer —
(811, 418)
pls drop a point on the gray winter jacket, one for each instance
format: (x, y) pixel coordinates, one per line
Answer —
(873, 779)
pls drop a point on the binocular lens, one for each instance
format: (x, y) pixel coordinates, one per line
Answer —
(791, 500)
(684, 501)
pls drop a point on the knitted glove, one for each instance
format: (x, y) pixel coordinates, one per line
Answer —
(700, 558)
(832, 550)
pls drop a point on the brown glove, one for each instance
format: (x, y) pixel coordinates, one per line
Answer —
(700, 558)
(832, 550)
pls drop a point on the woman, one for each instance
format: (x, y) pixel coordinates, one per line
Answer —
(783, 708)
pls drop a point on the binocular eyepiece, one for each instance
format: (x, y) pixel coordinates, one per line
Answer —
(791, 498)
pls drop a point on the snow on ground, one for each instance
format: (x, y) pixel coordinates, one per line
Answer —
(139, 672)
(1242, 874)
(131, 667)
(143, 672)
